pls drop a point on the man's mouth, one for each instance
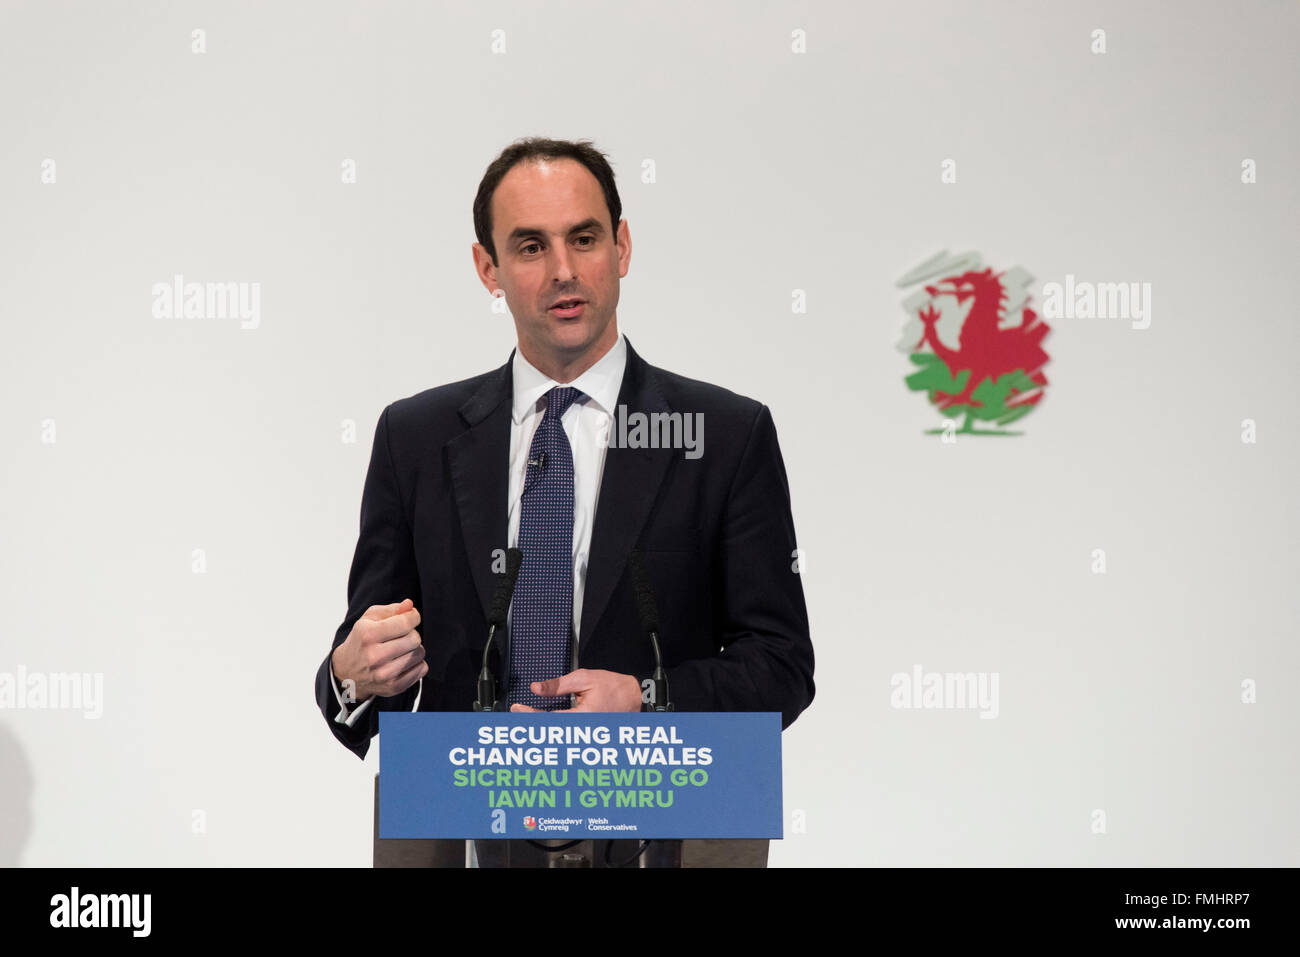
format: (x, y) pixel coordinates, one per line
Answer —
(568, 308)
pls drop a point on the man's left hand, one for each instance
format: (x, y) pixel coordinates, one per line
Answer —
(595, 690)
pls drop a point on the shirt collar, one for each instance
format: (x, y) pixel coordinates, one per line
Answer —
(601, 382)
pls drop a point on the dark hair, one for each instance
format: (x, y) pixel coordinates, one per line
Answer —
(534, 148)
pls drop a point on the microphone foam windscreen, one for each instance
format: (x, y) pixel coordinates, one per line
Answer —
(505, 587)
(644, 594)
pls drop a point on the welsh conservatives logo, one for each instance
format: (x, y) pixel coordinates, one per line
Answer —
(975, 341)
(530, 822)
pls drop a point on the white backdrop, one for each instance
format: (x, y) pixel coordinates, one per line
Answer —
(131, 441)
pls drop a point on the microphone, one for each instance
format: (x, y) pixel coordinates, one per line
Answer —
(657, 853)
(487, 686)
(648, 611)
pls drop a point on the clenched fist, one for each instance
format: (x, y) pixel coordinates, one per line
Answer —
(383, 654)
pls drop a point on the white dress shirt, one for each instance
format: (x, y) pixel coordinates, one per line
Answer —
(587, 423)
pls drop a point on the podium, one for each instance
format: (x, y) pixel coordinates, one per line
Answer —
(443, 796)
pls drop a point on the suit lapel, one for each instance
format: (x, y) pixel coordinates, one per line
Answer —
(628, 489)
(479, 460)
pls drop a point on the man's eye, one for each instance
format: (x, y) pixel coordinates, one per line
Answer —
(528, 247)
(591, 238)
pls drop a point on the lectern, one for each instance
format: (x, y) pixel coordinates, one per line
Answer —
(568, 790)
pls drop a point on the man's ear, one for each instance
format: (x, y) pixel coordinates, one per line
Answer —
(486, 270)
(624, 248)
(483, 266)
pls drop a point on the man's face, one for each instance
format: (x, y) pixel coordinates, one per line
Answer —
(551, 228)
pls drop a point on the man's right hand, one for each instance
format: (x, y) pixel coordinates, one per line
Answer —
(383, 654)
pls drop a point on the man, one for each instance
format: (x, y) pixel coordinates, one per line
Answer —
(535, 454)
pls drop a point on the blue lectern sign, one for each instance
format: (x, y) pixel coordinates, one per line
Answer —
(503, 775)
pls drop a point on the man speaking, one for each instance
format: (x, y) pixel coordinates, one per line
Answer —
(576, 452)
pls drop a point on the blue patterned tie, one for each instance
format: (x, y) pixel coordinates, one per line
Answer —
(541, 615)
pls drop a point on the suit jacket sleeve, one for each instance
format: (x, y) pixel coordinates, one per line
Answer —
(766, 657)
(383, 571)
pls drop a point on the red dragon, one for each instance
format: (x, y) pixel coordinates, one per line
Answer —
(984, 349)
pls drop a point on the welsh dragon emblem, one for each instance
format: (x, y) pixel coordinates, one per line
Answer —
(976, 343)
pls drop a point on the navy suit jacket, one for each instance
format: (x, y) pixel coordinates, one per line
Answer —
(716, 534)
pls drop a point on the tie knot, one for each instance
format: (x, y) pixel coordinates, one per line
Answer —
(559, 399)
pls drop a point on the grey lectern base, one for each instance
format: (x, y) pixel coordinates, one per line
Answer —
(418, 852)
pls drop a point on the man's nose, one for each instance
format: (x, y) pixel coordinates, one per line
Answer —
(562, 267)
